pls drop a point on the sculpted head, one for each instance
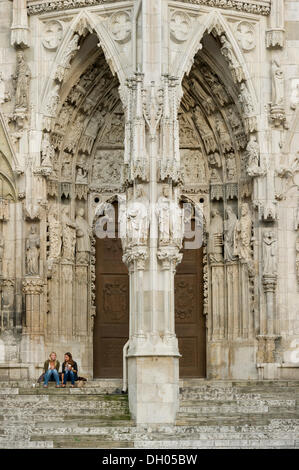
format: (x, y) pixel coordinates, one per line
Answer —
(139, 190)
(244, 208)
(165, 191)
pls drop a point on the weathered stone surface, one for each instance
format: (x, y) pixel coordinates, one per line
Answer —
(211, 143)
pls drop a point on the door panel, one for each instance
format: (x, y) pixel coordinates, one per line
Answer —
(189, 318)
(111, 327)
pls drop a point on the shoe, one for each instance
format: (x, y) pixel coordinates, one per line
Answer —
(45, 386)
(57, 386)
(63, 385)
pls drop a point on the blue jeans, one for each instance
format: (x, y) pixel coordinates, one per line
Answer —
(69, 375)
(49, 373)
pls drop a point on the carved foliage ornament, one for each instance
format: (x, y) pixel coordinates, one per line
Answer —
(245, 35)
(53, 31)
(259, 8)
(180, 26)
(120, 26)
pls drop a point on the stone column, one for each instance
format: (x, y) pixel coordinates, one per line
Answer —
(19, 27)
(233, 309)
(32, 344)
(80, 326)
(151, 111)
(34, 323)
(275, 33)
(266, 358)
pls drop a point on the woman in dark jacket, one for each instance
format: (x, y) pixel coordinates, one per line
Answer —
(69, 370)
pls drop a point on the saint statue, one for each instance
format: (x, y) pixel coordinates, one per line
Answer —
(22, 79)
(229, 234)
(32, 252)
(47, 149)
(277, 84)
(68, 235)
(227, 51)
(215, 242)
(1, 254)
(54, 234)
(243, 234)
(164, 219)
(269, 253)
(245, 100)
(137, 218)
(83, 233)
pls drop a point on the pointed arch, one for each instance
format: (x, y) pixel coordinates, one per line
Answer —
(83, 23)
(7, 147)
(213, 20)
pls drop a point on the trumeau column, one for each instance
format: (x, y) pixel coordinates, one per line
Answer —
(151, 228)
(19, 27)
(275, 34)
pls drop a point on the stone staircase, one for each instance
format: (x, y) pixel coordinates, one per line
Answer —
(212, 414)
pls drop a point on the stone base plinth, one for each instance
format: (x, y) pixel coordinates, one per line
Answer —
(268, 371)
(32, 352)
(153, 387)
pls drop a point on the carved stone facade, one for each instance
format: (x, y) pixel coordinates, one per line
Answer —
(96, 143)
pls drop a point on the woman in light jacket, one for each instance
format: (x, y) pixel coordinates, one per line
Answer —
(51, 368)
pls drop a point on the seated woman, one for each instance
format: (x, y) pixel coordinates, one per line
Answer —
(51, 368)
(69, 370)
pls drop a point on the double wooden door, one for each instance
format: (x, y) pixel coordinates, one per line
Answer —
(111, 328)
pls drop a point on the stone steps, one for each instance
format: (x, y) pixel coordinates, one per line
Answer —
(211, 415)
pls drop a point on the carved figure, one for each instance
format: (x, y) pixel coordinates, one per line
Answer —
(32, 252)
(204, 129)
(243, 234)
(1, 254)
(137, 218)
(269, 253)
(53, 101)
(82, 174)
(54, 234)
(253, 156)
(47, 151)
(215, 242)
(245, 100)
(22, 80)
(277, 84)
(68, 235)
(164, 219)
(229, 235)
(233, 120)
(227, 51)
(231, 168)
(83, 233)
(223, 133)
(217, 89)
(70, 51)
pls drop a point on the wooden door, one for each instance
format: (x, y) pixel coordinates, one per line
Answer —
(189, 318)
(111, 327)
